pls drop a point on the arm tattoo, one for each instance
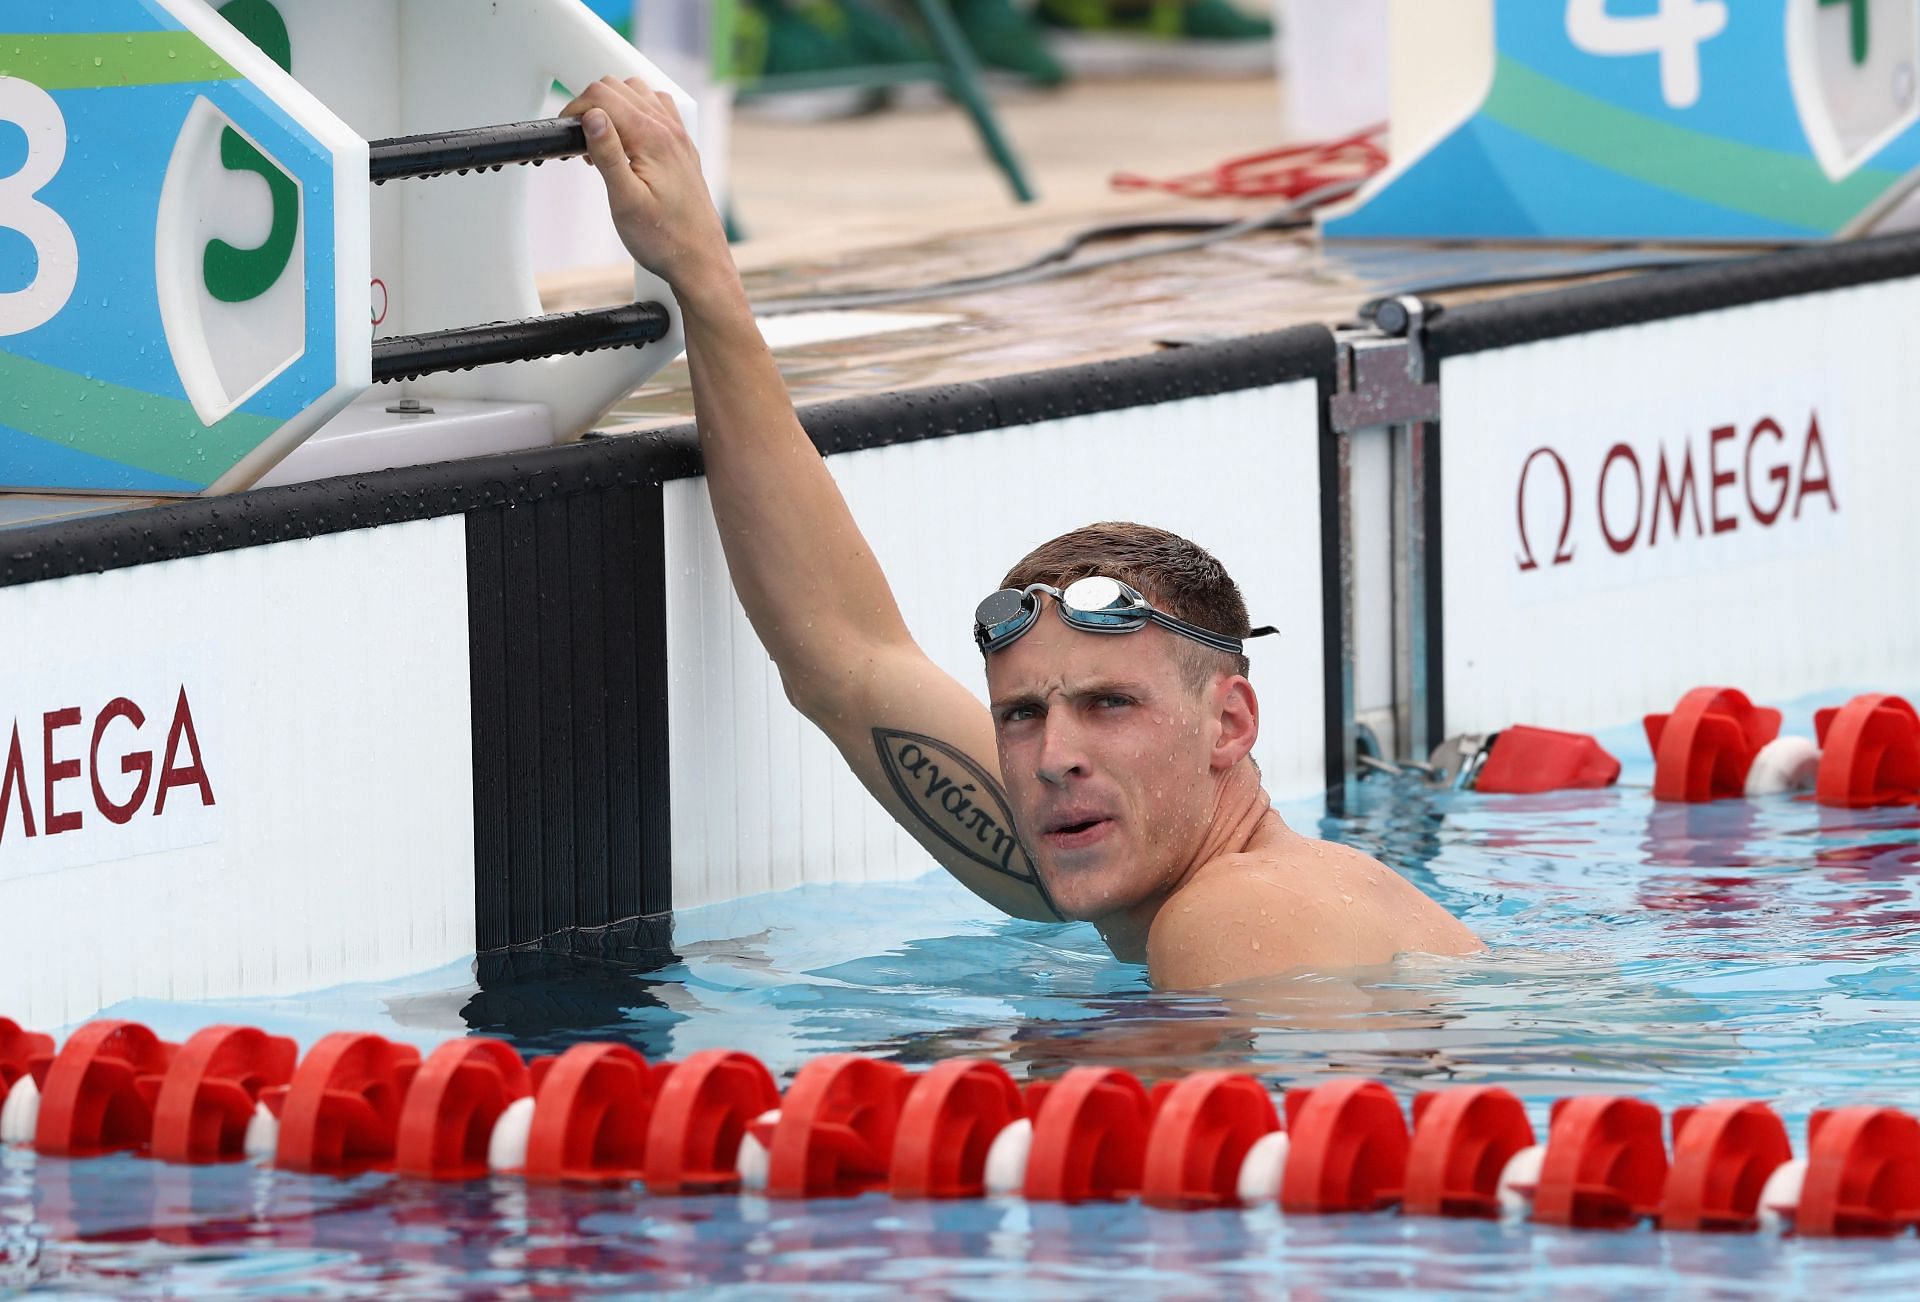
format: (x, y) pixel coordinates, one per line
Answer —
(959, 802)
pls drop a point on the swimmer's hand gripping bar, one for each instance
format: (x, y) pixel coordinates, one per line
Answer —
(408, 357)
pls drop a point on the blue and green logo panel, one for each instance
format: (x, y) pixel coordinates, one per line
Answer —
(182, 234)
(1759, 120)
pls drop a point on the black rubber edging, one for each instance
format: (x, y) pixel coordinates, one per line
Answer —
(202, 526)
(1681, 291)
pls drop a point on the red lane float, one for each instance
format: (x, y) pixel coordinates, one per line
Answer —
(1863, 1173)
(1525, 760)
(341, 1111)
(852, 1124)
(835, 1135)
(18, 1050)
(1349, 1148)
(1723, 1154)
(1605, 1166)
(1704, 747)
(1089, 1138)
(1869, 753)
(210, 1091)
(949, 1121)
(703, 1110)
(1462, 1141)
(1202, 1132)
(592, 1109)
(99, 1090)
(451, 1106)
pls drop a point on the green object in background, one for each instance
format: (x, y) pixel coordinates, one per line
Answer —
(877, 39)
(1008, 39)
(1199, 20)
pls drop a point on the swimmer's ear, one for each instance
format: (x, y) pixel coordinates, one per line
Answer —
(1237, 713)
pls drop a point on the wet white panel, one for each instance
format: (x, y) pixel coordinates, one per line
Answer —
(762, 801)
(241, 774)
(1716, 499)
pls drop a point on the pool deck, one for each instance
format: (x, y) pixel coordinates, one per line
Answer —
(912, 202)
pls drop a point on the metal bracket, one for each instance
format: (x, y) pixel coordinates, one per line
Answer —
(1382, 373)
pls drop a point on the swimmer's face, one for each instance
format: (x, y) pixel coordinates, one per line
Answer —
(1109, 757)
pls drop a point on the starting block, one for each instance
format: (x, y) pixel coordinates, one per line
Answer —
(207, 258)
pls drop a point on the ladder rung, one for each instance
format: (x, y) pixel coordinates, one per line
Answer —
(475, 149)
(407, 357)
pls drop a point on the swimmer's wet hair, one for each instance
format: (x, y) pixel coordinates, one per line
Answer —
(1178, 576)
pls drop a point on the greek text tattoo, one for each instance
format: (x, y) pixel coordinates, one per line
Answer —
(958, 801)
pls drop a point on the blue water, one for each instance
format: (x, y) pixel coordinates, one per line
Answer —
(1761, 949)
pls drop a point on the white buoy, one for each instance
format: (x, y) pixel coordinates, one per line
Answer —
(1006, 1173)
(1784, 764)
(20, 1114)
(1520, 1180)
(507, 1146)
(263, 1134)
(754, 1161)
(1262, 1168)
(1780, 1196)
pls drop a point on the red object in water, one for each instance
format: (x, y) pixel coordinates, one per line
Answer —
(699, 1117)
(1200, 1137)
(837, 1121)
(592, 1108)
(1524, 760)
(1605, 1166)
(341, 1111)
(1033, 1096)
(1723, 1153)
(18, 1049)
(1703, 749)
(211, 1089)
(1863, 1173)
(99, 1090)
(1462, 1141)
(1090, 1139)
(1348, 1149)
(455, 1099)
(1869, 752)
(947, 1124)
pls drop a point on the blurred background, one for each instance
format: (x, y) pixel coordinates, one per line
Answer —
(836, 122)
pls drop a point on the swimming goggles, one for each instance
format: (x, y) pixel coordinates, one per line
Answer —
(1094, 604)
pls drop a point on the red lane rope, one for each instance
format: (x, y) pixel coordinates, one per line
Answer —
(849, 1125)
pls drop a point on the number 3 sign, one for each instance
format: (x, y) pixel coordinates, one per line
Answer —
(178, 304)
(1662, 120)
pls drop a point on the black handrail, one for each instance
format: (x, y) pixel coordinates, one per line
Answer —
(475, 149)
(408, 357)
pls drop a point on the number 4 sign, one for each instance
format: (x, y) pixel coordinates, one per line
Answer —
(1674, 33)
(192, 302)
(1659, 120)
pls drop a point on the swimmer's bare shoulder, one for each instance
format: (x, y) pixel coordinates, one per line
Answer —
(1290, 901)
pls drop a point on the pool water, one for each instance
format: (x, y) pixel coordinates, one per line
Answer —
(1750, 949)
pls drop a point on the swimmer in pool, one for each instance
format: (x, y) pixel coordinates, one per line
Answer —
(1120, 727)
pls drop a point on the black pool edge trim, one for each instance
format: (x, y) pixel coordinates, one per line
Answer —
(1679, 291)
(202, 526)
(1333, 614)
(1434, 589)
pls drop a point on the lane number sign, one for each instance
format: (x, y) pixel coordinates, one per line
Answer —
(1669, 120)
(178, 221)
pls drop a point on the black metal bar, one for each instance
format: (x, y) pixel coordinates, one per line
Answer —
(414, 157)
(408, 357)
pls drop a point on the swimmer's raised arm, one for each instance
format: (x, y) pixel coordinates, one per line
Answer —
(806, 577)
